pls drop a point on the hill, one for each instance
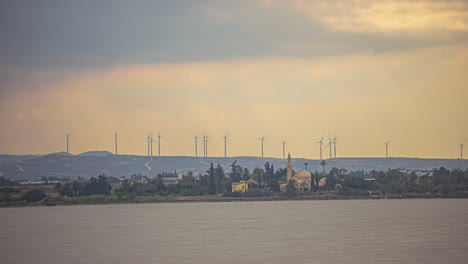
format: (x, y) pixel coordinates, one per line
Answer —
(96, 153)
(88, 165)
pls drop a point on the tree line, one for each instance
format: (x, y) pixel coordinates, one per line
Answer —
(216, 181)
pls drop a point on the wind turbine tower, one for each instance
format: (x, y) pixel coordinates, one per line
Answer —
(329, 145)
(386, 148)
(149, 139)
(196, 146)
(151, 148)
(206, 148)
(334, 145)
(262, 140)
(284, 148)
(461, 151)
(321, 145)
(68, 139)
(115, 139)
(159, 144)
(225, 140)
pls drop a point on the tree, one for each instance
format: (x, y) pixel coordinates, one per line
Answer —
(76, 188)
(211, 180)
(291, 188)
(323, 163)
(355, 182)
(258, 175)
(246, 174)
(126, 185)
(6, 192)
(332, 180)
(280, 174)
(236, 172)
(395, 181)
(64, 189)
(7, 182)
(34, 195)
(188, 185)
(270, 177)
(425, 182)
(411, 184)
(219, 176)
(339, 173)
(96, 186)
(316, 179)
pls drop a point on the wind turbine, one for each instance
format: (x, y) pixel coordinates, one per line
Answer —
(159, 144)
(196, 146)
(152, 140)
(386, 148)
(321, 145)
(225, 141)
(115, 138)
(334, 145)
(284, 148)
(262, 140)
(329, 145)
(461, 151)
(206, 146)
(68, 138)
(149, 139)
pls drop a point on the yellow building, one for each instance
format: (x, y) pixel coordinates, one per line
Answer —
(240, 186)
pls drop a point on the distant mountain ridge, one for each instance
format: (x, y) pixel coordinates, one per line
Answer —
(96, 153)
(93, 163)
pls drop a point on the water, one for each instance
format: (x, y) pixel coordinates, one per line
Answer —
(358, 231)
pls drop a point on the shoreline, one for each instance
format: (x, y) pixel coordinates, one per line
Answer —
(219, 199)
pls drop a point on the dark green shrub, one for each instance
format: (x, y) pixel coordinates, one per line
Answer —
(354, 192)
(232, 194)
(34, 195)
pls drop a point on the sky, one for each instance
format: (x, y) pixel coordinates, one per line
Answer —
(366, 72)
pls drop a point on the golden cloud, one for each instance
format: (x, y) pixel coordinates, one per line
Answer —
(414, 98)
(384, 16)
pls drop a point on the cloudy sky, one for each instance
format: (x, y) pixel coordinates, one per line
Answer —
(363, 71)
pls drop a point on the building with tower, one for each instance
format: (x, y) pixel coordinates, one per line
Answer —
(301, 179)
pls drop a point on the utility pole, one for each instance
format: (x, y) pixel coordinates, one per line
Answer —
(461, 151)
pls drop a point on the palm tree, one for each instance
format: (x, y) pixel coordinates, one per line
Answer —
(323, 163)
(126, 186)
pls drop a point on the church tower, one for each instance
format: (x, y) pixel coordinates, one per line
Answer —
(289, 170)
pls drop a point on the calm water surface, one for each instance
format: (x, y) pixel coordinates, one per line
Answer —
(359, 231)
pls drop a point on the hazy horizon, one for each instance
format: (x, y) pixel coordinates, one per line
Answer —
(364, 71)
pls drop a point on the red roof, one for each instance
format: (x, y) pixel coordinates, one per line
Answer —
(252, 181)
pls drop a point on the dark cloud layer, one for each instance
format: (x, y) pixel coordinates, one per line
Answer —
(63, 34)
